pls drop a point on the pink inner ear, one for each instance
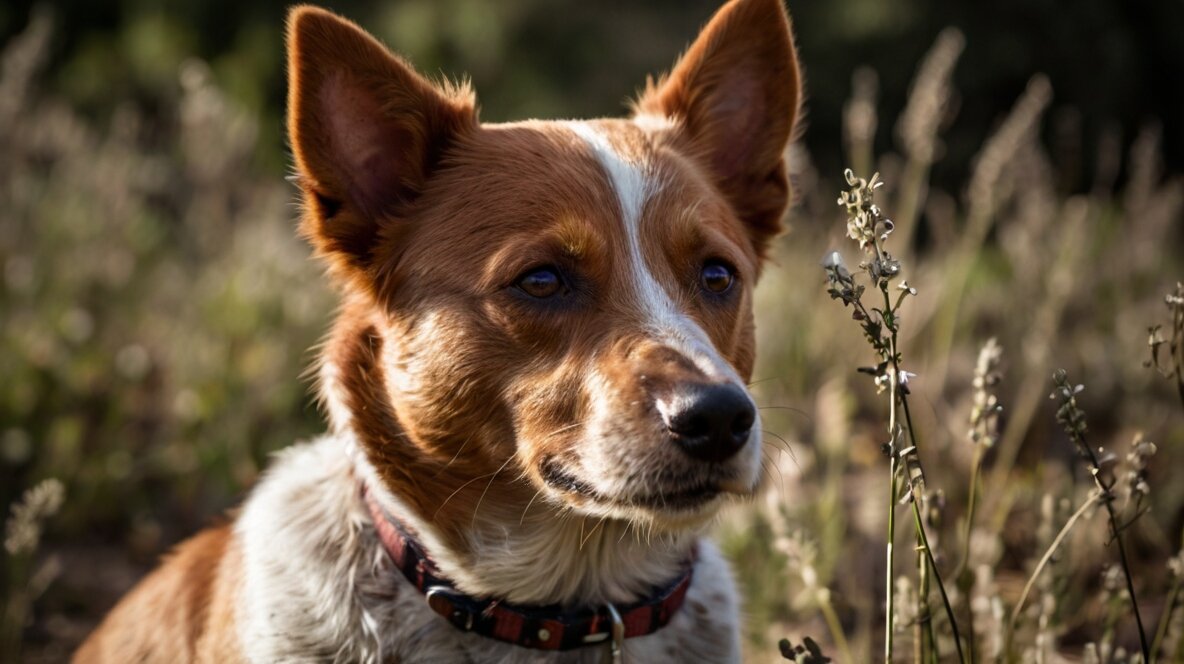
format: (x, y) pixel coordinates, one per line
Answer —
(363, 143)
(735, 118)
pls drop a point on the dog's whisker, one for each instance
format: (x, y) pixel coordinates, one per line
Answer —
(775, 443)
(788, 448)
(796, 411)
(522, 519)
(779, 478)
(491, 480)
(458, 490)
(592, 532)
(455, 456)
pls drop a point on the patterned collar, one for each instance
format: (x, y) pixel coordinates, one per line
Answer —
(541, 627)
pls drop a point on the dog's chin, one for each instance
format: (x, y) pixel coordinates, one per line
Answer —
(672, 508)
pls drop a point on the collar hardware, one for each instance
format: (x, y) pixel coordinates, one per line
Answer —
(618, 630)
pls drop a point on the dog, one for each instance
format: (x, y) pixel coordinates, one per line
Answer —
(536, 384)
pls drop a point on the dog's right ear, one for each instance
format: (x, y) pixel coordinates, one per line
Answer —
(366, 131)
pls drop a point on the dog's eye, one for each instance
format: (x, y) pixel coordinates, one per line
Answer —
(540, 283)
(716, 277)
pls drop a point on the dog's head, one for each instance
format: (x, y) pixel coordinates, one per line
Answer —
(564, 308)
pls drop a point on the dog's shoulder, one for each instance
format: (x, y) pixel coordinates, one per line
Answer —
(189, 602)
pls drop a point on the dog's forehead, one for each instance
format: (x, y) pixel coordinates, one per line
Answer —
(624, 151)
(523, 183)
(594, 168)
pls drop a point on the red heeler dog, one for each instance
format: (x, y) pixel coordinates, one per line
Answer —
(536, 384)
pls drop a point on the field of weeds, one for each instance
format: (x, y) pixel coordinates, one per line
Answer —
(158, 313)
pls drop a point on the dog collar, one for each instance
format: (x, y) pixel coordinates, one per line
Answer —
(540, 627)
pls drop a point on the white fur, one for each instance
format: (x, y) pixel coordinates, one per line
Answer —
(653, 123)
(339, 415)
(319, 587)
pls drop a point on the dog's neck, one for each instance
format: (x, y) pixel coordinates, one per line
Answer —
(493, 534)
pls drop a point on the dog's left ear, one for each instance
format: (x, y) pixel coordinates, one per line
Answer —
(734, 97)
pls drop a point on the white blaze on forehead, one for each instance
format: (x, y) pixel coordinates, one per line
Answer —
(634, 181)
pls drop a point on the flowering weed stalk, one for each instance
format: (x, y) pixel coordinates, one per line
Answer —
(1072, 420)
(1172, 367)
(22, 535)
(983, 434)
(867, 225)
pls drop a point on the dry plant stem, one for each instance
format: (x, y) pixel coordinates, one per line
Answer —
(892, 491)
(922, 619)
(941, 587)
(1177, 346)
(922, 625)
(1165, 619)
(922, 539)
(1052, 549)
(924, 546)
(894, 470)
(835, 627)
(924, 628)
(1116, 531)
(923, 641)
(1130, 582)
(971, 504)
(963, 576)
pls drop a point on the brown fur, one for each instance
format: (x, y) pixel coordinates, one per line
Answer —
(458, 389)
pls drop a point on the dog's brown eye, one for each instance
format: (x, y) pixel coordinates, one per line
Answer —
(543, 282)
(716, 277)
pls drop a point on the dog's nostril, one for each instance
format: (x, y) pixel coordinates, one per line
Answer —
(690, 424)
(742, 425)
(710, 421)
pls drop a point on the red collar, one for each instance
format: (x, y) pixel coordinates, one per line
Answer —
(541, 627)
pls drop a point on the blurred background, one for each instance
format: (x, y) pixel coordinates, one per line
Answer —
(158, 310)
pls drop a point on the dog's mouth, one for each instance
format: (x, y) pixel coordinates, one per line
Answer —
(679, 497)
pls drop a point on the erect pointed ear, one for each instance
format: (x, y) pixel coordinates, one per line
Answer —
(366, 130)
(734, 97)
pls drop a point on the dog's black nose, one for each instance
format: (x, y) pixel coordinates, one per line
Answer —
(710, 421)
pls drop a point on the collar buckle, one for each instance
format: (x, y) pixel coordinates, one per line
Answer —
(450, 605)
(618, 636)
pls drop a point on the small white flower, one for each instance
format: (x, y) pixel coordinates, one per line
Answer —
(833, 260)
